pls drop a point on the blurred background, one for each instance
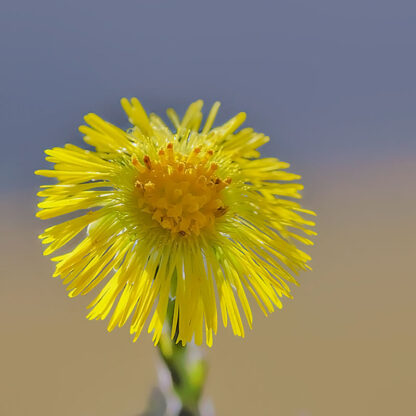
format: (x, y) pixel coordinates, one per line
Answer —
(333, 84)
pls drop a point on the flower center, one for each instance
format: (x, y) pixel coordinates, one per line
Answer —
(182, 193)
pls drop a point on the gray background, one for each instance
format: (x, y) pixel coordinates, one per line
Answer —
(326, 79)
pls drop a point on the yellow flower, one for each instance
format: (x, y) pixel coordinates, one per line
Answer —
(191, 215)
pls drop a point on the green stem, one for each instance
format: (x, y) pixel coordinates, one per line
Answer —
(188, 373)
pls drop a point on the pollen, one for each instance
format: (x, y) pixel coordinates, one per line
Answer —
(181, 192)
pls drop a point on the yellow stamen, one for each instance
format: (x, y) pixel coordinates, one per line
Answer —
(181, 192)
(147, 162)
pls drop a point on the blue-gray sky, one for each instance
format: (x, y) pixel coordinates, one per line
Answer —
(327, 80)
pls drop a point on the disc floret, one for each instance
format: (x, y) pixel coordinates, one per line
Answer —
(181, 192)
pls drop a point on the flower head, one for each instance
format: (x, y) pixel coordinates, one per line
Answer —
(190, 215)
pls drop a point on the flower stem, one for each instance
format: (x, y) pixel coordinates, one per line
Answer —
(187, 369)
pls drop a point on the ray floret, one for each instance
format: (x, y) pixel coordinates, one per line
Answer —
(190, 214)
